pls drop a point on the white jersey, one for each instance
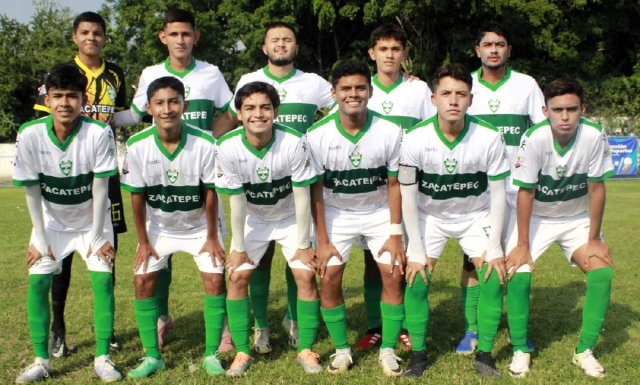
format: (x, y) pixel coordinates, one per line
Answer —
(172, 182)
(355, 168)
(406, 103)
(560, 175)
(266, 177)
(65, 171)
(301, 95)
(204, 86)
(453, 176)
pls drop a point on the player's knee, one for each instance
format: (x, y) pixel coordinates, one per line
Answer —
(239, 279)
(40, 283)
(145, 285)
(602, 276)
(213, 283)
(306, 284)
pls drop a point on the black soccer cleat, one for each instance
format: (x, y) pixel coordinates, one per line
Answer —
(417, 365)
(486, 365)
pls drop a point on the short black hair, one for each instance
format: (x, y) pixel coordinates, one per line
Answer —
(280, 24)
(256, 88)
(350, 67)
(451, 70)
(66, 77)
(177, 15)
(563, 86)
(89, 17)
(165, 82)
(388, 31)
(494, 27)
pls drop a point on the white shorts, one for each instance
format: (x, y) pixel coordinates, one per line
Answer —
(472, 234)
(63, 243)
(258, 235)
(166, 246)
(570, 236)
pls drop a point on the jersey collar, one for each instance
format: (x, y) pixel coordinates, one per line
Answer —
(182, 74)
(52, 134)
(452, 144)
(354, 138)
(162, 148)
(493, 87)
(277, 79)
(563, 151)
(261, 153)
(86, 69)
(386, 89)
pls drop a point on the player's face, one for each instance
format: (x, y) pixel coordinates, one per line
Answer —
(564, 114)
(280, 46)
(179, 38)
(452, 98)
(352, 93)
(66, 105)
(89, 37)
(493, 50)
(388, 54)
(166, 107)
(257, 114)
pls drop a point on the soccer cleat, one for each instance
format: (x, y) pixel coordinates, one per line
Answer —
(212, 365)
(291, 327)
(35, 372)
(529, 344)
(486, 365)
(261, 343)
(114, 346)
(309, 361)
(57, 344)
(417, 365)
(588, 363)
(520, 364)
(165, 323)
(240, 365)
(371, 339)
(389, 362)
(341, 361)
(468, 344)
(226, 343)
(148, 367)
(106, 369)
(404, 339)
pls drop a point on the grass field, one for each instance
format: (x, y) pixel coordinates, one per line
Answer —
(558, 295)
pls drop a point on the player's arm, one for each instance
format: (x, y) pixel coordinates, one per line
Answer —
(224, 123)
(126, 118)
(40, 246)
(212, 244)
(145, 249)
(137, 111)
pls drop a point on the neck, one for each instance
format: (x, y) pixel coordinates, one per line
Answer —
(259, 141)
(92, 62)
(451, 129)
(494, 75)
(63, 131)
(387, 79)
(563, 140)
(180, 64)
(171, 135)
(353, 123)
(280, 71)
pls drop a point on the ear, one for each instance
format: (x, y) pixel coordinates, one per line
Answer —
(147, 107)
(545, 111)
(478, 51)
(509, 51)
(333, 94)
(186, 105)
(46, 100)
(433, 99)
(470, 99)
(74, 38)
(85, 99)
(275, 113)
(371, 54)
(196, 37)
(264, 49)
(583, 110)
(163, 37)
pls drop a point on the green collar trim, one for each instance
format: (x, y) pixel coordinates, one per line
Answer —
(354, 138)
(260, 153)
(163, 150)
(452, 144)
(562, 151)
(386, 89)
(494, 87)
(277, 79)
(54, 139)
(182, 74)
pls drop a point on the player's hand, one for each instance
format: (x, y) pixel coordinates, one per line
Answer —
(215, 250)
(306, 256)
(237, 259)
(519, 256)
(106, 252)
(324, 252)
(598, 249)
(413, 269)
(33, 255)
(144, 252)
(499, 266)
(395, 247)
(409, 78)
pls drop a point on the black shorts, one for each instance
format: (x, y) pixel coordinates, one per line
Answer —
(117, 210)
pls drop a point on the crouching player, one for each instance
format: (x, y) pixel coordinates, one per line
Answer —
(266, 170)
(448, 165)
(170, 171)
(560, 170)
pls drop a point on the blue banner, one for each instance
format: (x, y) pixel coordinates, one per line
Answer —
(624, 154)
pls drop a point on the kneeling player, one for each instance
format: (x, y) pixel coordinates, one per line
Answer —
(266, 170)
(449, 163)
(170, 171)
(560, 168)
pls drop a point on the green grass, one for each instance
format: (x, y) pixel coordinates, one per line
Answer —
(556, 311)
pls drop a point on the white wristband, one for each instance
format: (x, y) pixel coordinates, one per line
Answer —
(395, 229)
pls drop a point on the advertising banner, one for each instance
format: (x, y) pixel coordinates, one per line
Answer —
(624, 153)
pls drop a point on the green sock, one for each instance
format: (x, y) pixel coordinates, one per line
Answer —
(392, 317)
(292, 295)
(162, 290)
(214, 312)
(147, 319)
(259, 293)
(595, 308)
(38, 313)
(518, 293)
(489, 309)
(416, 299)
(238, 313)
(336, 321)
(308, 322)
(470, 297)
(103, 311)
(372, 294)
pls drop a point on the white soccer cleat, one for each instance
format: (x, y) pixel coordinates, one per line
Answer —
(106, 369)
(588, 363)
(389, 362)
(37, 371)
(341, 361)
(291, 328)
(261, 342)
(520, 364)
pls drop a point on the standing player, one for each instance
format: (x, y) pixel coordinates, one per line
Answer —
(357, 152)
(64, 161)
(449, 163)
(512, 102)
(560, 170)
(405, 103)
(267, 171)
(170, 171)
(205, 90)
(106, 94)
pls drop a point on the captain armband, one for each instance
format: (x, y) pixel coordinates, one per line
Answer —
(407, 175)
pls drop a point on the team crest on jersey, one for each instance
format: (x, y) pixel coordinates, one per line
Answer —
(263, 173)
(450, 165)
(172, 175)
(387, 107)
(494, 104)
(112, 93)
(282, 93)
(187, 90)
(560, 170)
(65, 166)
(355, 159)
